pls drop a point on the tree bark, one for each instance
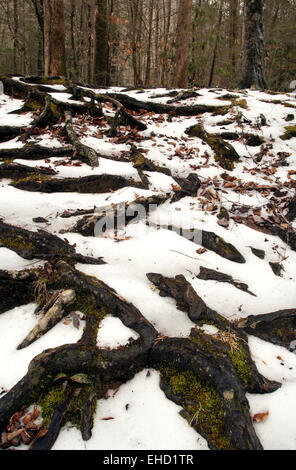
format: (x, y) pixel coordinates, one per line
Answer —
(183, 30)
(54, 38)
(101, 44)
(253, 45)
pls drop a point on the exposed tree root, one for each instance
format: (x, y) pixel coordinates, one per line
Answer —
(276, 327)
(212, 275)
(86, 184)
(35, 152)
(16, 171)
(116, 217)
(41, 244)
(8, 132)
(127, 117)
(208, 240)
(51, 316)
(132, 103)
(224, 152)
(85, 152)
(16, 288)
(47, 441)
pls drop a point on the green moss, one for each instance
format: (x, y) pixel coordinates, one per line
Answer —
(221, 110)
(241, 363)
(240, 103)
(56, 395)
(228, 96)
(75, 411)
(202, 403)
(15, 242)
(54, 109)
(290, 132)
(49, 401)
(140, 160)
(225, 154)
(290, 105)
(38, 177)
(33, 105)
(85, 303)
(206, 343)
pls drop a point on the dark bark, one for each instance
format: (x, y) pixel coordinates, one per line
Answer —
(101, 44)
(207, 274)
(252, 72)
(54, 38)
(132, 103)
(87, 184)
(41, 244)
(182, 42)
(35, 152)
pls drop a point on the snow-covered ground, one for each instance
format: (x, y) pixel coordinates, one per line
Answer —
(151, 421)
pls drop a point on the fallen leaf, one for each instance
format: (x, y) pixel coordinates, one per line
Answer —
(260, 417)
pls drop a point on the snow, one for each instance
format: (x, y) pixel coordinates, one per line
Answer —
(151, 421)
(112, 333)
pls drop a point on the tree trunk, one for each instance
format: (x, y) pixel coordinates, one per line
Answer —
(216, 44)
(101, 47)
(183, 30)
(233, 35)
(252, 74)
(54, 38)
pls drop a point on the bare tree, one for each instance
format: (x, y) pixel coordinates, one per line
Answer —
(252, 74)
(101, 43)
(183, 35)
(54, 38)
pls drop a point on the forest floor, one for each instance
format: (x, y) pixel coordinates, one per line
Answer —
(241, 188)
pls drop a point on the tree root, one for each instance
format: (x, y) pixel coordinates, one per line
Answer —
(8, 132)
(85, 152)
(208, 240)
(132, 103)
(16, 288)
(276, 327)
(224, 152)
(212, 275)
(50, 317)
(35, 152)
(115, 217)
(17, 170)
(88, 184)
(41, 245)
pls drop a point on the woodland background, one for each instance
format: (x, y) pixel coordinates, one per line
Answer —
(140, 45)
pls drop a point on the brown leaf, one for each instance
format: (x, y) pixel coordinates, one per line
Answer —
(200, 251)
(27, 419)
(260, 417)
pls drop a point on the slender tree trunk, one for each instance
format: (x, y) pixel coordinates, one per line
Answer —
(149, 45)
(233, 35)
(73, 44)
(216, 44)
(101, 47)
(15, 48)
(54, 38)
(253, 45)
(38, 8)
(182, 48)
